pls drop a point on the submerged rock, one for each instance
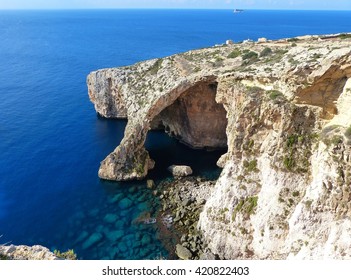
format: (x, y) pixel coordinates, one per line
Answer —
(92, 240)
(125, 203)
(83, 235)
(110, 218)
(114, 235)
(180, 170)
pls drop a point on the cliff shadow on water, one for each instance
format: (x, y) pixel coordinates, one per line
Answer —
(165, 151)
(198, 123)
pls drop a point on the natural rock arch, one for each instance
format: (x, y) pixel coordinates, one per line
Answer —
(195, 118)
(189, 112)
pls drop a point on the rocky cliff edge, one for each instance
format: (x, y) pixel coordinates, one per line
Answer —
(282, 108)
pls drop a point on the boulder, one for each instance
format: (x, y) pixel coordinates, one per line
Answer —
(150, 184)
(183, 253)
(180, 170)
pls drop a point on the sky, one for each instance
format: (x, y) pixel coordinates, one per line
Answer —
(178, 4)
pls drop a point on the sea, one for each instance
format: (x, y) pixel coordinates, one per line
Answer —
(52, 141)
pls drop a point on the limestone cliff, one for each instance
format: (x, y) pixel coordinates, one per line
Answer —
(283, 110)
(22, 252)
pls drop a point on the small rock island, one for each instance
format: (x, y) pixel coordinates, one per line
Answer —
(281, 108)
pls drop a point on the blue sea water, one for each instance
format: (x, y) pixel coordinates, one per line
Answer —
(51, 140)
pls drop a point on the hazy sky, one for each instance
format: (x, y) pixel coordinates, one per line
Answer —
(202, 4)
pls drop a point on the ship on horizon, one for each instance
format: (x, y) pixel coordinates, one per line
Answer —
(238, 11)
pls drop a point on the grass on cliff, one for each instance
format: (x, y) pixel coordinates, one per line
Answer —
(157, 65)
(251, 166)
(246, 206)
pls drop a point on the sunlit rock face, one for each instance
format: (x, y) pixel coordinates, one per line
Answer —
(282, 109)
(196, 119)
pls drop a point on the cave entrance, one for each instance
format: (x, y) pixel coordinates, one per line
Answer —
(196, 120)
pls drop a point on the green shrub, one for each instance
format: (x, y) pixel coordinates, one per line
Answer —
(348, 132)
(235, 53)
(250, 55)
(344, 36)
(274, 94)
(293, 40)
(68, 255)
(265, 52)
(296, 194)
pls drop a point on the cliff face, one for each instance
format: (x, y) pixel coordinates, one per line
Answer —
(283, 110)
(22, 252)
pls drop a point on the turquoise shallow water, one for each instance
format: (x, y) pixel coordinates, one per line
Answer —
(51, 141)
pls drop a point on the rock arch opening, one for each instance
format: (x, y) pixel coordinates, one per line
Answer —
(326, 91)
(195, 118)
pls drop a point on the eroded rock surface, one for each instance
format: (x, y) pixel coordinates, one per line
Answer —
(36, 252)
(284, 191)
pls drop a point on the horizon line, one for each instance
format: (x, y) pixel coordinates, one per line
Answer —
(160, 8)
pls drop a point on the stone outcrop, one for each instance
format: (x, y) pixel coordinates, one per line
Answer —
(282, 108)
(180, 170)
(22, 252)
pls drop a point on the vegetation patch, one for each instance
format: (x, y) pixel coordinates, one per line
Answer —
(297, 152)
(246, 206)
(274, 94)
(276, 56)
(251, 166)
(68, 255)
(250, 55)
(293, 40)
(265, 52)
(345, 36)
(156, 67)
(235, 53)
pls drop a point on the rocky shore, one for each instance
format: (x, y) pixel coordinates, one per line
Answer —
(282, 110)
(182, 201)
